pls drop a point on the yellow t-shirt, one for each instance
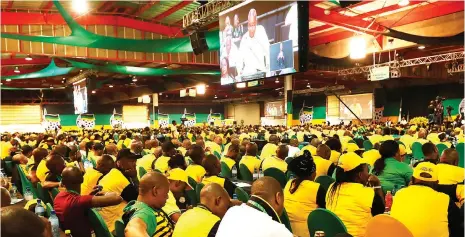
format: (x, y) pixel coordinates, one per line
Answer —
(299, 205)
(90, 180)
(213, 179)
(322, 166)
(114, 181)
(161, 164)
(268, 150)
(145, 162)
(196, 172)
(41, 171)
(352, 204)
(375, 138)
(196, 222)
(433, 137)
(6, 149)
(407, 140)
(450, 174)
(182, 150)
(334, 157)
(214, 147)
(309, 148)
(170, 206)
(422, 210)
(252, 163)
(229, 162)
(274, 162)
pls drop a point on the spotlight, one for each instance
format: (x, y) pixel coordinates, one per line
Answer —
(111, 86)
(308, 85)
(277, 81)
(17, 70)
(216, 97)
(93, 92)
(51, 87)
(28, 58)
(160, 93)
(200, 89)
(403, 3)
(357, 47)
(134, 79)
(8, 79)
(421, 47)
(80, 6)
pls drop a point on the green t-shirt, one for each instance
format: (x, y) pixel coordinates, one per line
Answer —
(144, 212)
(395, 173)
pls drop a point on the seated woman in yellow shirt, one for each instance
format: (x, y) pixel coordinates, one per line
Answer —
(195, 170)
(213, 168)
(302, 195)
(348, 197)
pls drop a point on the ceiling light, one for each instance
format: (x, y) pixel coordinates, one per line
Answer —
(93, 92)
(357, 47)
(421, 47)
(8, 79)
(28, 58)
(134, 79)
(216, 97)
(200, 89)
(16, 70)
(276, 81)
(80, 6)
(308, 85)
(241, 85)
(51, 87)
(111, 86)
(166, 67)
(403, 3)
(160, 93)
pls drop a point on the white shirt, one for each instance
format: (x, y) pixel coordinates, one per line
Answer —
(255, 53)
(246, 221)
(293, 151)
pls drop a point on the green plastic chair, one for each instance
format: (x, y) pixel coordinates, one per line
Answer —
(277, 174)
(325, 181)
(225, 170)
(191, 195)
(367, 145)
(43, 194)
(192, 182)
(241, 194)
(325, 220)
(399, 142)
(198, 188)
(288, 159)
(54, 192)
(25, 183)
(49, 209)
(245, 173)
(97, 223)
(417, 152)
(441, 147)
(461, 150)
(119, 228)
(142, 172)
(218, 155)
(289, 175)
(351, 141)
(285, 220)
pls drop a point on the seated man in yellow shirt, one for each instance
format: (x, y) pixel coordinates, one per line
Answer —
(204, 219)
(323, 165)
(270, 148)
(195, 170)
(178, 184)
(231, 156)
(277, 161)
(250, 158)
(451, 176)
(161, 163)
(9, 147)
(91, 176)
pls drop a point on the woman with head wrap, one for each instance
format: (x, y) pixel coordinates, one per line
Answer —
(301, 194)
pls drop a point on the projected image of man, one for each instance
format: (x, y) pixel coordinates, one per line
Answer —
(254, 48)
(238, 31)
(280, 58)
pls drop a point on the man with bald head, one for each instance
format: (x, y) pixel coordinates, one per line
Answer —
(250, 158)
(55, 165)
(232, 155)
(293, 148)
(19, 222)
(5, 197)
(204, 219)
(323, 165)
(144, 216)
(75, 157)
(71, 208)
(448, 170)
(136, 147)
(91, 176)
(186, 145)
(260, 216)
(277, 161)
(112, 150)
(254, 48)
(270, 148)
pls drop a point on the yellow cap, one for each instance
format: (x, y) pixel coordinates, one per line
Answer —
(351, 147)
(402, 149)
(350, 161)
(428, 168)
(67, 232)
(179, 174)
(413, 128)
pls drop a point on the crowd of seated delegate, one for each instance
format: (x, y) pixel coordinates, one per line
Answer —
(101, 169)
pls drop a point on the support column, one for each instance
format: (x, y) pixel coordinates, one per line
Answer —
(288, 99)
(155, 110)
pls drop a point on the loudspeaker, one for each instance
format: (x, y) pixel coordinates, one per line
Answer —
(198, 42)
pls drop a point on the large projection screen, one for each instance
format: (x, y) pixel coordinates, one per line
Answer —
(259, 39)
(360, 104)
